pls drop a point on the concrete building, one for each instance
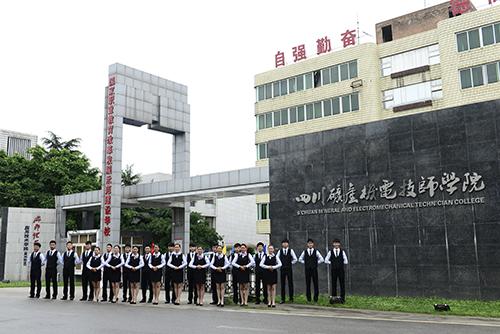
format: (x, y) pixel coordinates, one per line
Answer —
(16, 142)
(422, 61)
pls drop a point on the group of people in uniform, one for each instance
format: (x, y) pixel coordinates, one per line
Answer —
(133, 271)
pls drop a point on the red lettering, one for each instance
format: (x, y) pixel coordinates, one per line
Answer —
(107, 220)
(107, 200)
(109, 169)
(107, 210)
(107, 231)
(107, 191)
(109, 149)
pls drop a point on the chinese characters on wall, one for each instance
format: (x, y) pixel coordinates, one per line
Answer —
(323, 45)
(37, 222)
(108, 138)
(26, 242)
(449, 184)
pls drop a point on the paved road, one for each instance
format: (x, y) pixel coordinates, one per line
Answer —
(20, 315)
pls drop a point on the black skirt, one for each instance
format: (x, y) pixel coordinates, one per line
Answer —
(270, 277)
(115, 275)
(219, 277)
(177, 275)
(155, 276)
(95, 276)
(243, 276)
(134, 276)
(200, 276)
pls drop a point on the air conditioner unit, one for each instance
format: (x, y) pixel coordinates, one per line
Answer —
(357, 83)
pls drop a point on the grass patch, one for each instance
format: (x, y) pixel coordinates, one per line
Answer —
(473, 308)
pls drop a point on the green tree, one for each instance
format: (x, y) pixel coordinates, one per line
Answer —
(129, 178)
(156, 221)
(202, 234)
(55, 142)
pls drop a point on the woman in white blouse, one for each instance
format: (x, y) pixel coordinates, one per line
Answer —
(270, 263)
(219, 265)
(95, 265)
(200, 264)
(134, 263)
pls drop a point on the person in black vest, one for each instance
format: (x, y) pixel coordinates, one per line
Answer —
(145, 277)
(125, 280)
(199, 263)
(288, 259)
(169, 286)
(70, 260)
(115, 263)
(36, 261)
(234, 274)
(177, 262)
(94, 265)
(86, 255)
(243, 262)
(259, 274)
(311, 258)
(156, 263)
(270, 263)
(337, 259)
(192, 291)
(106, 275)
(213, 286)
(134, 264)
(219, 264)
(52, 259)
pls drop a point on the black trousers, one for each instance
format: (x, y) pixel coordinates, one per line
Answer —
(236, 292)
(105, 282)
(126, 286)
(86, 283)
(312, 275)
(168, 286)
(192, 292)
(338, 275)
(258, 280)
(36, 280)
(286, 275)
(69, 279)
(145, 285)
(51, 278)
(214, 288)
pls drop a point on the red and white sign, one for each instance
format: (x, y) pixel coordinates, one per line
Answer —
(37, 223)
(108, 143)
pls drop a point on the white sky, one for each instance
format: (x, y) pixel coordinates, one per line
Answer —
(54, 58)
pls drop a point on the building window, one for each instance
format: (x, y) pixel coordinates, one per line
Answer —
(309, 80)
(476, 38)
(277, 118)
(262, 211)
(209, 201)
(292, 86)
(300, 114)
(261, 151)
(19, 146)
(480, 75)
(269, 91)
(325, 75)
(192, 204)
(309, 111)
(261, 93)
(387, 33)
(428, 55)
(317, 79)
(327, 107)
(276, 89)
(284, 116)
(300, 83)
(424, 91)
(293, 115)
(318, 111)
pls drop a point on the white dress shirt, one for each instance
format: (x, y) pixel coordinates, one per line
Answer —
(59, 257)
(157, 255)
(278, 262)
(192, 266)
(42, 257)
(336, 252)
(141, 261)
(226, 262)
(285, 251)
(183, 264)
(250, 264)
(310, 251)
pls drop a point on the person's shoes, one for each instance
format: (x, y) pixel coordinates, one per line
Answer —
(222, 305)
(71, 298)
(46, 297)
(104, 300)
(31, 296)
(155, 303)
(124, 300)
(257, 302)
(273, 306)
(54, 297)
(113, 302)
(269, 305)
(213, 303)
(189, 302)
(282, 302)
(37, 296)
(142, 301)
(265, 301)
(91, 299)
(64, 298)
(83, 299)
(177, 304)
(291, 300)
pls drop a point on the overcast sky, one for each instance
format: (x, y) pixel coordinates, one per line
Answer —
(54, 59)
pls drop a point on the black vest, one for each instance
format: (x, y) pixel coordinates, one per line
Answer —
(69, 261)
(337, 263)
(125, 257)
(199, 262)
(95, 262)
(155, 261)
(257, 261)
(115, 261)
(52, 260)
(270, 261)
(310, 261)
(146, 263)
(176, 260)
(105, 257)
(243, 261)
(86, 259)
(134, 262)
(219, 262)
(286, 260)
(36, 262)
(189, 258)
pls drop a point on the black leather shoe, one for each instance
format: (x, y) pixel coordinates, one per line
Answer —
(124, 300)
(31, 296)
(257, 302)
(142, 301)
(104, 300)
(83, 299)
(64, 298)
(282, 302)
(189, 303)
(213, 303)
(54, 297)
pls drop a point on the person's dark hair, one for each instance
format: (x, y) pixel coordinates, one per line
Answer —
(108, 245)
(37, 244)
(52, 242)
(135, 247)
(243, 245)
(285, 240)
(336, 241)
(192, 244)
(69, 242)
(88, 242)
(127, 245)
(310, 240)
(96, 247)
(171, 244)
(237, 245)
(177, 244)
(260, 244)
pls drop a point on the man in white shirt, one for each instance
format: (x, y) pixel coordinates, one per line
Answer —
(51, 261)
(70, 260)
(288, 259)
(311, 258)
(86, 282)
(337, 259)
(36, 261)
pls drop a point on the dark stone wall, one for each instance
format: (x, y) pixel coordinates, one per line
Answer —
(448, 251)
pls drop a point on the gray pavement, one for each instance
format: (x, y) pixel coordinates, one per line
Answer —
(18, 314)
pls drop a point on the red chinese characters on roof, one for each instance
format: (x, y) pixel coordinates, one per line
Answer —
(299, 52)
(348, 38)
(323, 45)
(460, 6)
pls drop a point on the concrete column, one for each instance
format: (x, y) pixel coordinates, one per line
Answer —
(181, 226)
